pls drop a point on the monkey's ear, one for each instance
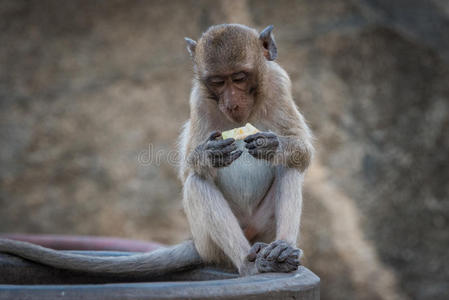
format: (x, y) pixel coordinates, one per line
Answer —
(191, 46)
(267, 39)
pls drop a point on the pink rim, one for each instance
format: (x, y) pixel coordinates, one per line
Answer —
(78, 242)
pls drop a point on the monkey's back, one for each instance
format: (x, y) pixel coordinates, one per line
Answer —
(246, 181)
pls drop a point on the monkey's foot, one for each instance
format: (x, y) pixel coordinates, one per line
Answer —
(254, 251)
(279, 256)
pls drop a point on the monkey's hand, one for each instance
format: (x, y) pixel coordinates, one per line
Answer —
(255, 249)
(216, 153)
(279, 256)
(262, 145)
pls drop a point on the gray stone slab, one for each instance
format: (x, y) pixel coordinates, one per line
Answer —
(22, 279)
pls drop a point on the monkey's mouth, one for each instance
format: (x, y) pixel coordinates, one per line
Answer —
(236, 117)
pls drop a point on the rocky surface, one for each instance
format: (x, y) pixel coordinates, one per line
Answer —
(88, 89)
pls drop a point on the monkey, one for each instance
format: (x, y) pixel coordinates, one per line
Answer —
(248, 195)
(242, 199)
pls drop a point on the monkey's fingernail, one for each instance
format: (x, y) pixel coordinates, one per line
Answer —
(214, 135)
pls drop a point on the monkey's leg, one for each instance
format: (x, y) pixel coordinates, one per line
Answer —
(262, 227)
(211, 217)
(282, 255)
(288, 204)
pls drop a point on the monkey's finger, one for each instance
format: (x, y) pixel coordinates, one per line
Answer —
(267, 250)
(259, 143)
(217, 144)
(255, 136)
(227, 159)
(215, 134)
(228, 149)
(291, 266)
(285, 254)
(250, 145)
(263, 150)
(269, 144)
(283, 257)
(262, 153)
(260, 246)
(224, 151)
(274, 254)
(263, 253)
(273, 142)
(234, 155)
(255, 153)
(297, 253)
(268, 134)
(255, 249)
(294, 261)
(251, 256)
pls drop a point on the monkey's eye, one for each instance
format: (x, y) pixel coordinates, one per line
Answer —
(239, 77)
(216, 81)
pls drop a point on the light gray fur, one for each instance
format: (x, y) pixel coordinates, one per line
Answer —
(214, 226)
(246, 181)
(158, 262)
(288, 200)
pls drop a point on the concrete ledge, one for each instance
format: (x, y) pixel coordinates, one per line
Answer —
(21, 279)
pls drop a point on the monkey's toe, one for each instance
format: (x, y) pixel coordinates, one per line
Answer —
(278, 257)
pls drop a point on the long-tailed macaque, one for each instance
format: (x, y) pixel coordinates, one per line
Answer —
(242, 198)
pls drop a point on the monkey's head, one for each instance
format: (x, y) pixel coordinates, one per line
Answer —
(229, 62)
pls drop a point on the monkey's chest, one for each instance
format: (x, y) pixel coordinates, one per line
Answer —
(246, 181)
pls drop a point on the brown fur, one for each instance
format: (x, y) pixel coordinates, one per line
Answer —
(218, 225)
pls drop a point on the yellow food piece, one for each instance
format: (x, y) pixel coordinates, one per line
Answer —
(240, 133)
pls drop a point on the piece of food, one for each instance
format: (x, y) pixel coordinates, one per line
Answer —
(240, 133)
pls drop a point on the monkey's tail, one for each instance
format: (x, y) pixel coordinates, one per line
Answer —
(157, 262)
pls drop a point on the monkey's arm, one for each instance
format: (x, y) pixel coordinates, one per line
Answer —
(295, 139)
(294, 152)
(210, 216)
(291, 147)
(291, 151)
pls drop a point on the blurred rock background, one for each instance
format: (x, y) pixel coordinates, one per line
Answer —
(89, 88)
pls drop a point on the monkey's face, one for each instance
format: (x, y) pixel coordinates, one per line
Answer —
(234, 94)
